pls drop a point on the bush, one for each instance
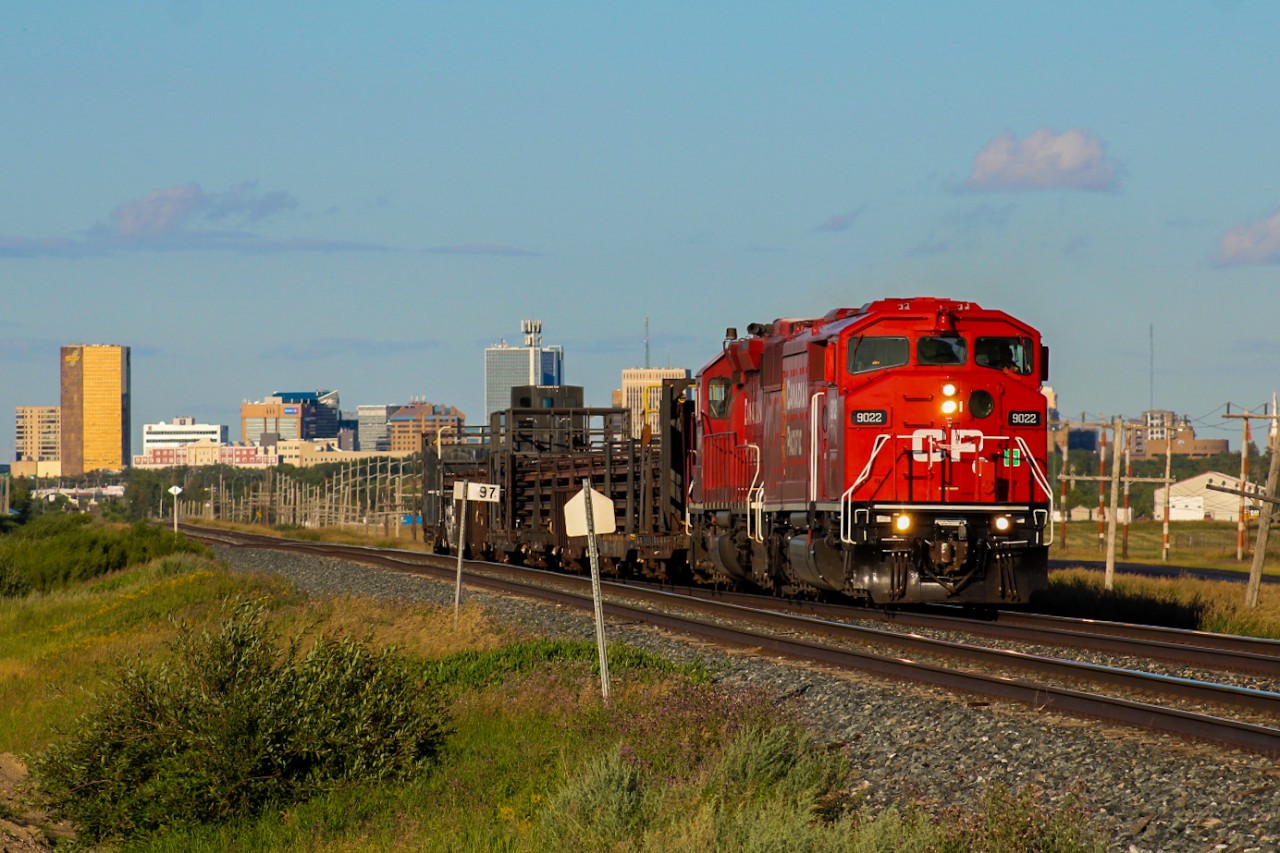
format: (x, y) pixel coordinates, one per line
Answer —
(236, 723)
(54, 550)
(612, 801)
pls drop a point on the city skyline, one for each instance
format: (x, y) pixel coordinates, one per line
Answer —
(364, 199)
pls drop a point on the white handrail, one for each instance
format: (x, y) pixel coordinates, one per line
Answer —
(813, 444)
(846, 523)
(1044, 484)
(751, 511)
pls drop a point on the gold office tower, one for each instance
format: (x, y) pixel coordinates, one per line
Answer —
(95, 409)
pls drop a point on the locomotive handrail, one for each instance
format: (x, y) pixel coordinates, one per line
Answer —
(690, 465)
(813, 445)
(846, 499)
(846, 519)
(1044, 484)
(755, 505)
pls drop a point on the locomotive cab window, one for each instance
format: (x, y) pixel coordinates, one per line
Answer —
(876, 353)
(943, 349)
(1004, 354)
(718, 398)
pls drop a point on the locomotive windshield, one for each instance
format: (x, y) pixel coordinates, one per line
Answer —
(876, 353)
(944, 349)
(1004, 354)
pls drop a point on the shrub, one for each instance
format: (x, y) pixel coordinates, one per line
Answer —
(54, 550)
(612, 801)
(780, 762)
(235, 723)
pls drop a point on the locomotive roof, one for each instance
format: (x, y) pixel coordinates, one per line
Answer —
(947, 311)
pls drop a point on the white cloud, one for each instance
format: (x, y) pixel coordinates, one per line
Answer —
(1251, 244)
(1044, 160)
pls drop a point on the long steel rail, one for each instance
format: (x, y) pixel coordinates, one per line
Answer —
(859, 648)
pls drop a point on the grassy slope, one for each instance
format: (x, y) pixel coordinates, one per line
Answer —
(534, 761)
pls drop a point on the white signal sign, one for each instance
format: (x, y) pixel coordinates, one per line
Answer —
(486, 492)
(602, 514)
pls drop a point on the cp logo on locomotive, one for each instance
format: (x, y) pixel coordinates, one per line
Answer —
(927, 445)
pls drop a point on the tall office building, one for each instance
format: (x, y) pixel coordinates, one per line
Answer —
(507, 367)
(322, 416)
(95, 408)
(372, 429)
(38, 434)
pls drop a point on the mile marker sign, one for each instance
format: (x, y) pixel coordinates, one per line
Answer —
(575, 514)
(486, 492)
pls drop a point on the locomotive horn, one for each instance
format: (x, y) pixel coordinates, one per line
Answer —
(759, 330)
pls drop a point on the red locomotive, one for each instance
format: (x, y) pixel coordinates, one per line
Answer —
(894, 453)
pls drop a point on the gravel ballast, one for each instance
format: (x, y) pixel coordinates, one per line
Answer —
(1146, 792)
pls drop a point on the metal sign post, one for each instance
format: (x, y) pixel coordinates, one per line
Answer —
(464, 490)
(579, 516)
(462, 538)
(175, 491)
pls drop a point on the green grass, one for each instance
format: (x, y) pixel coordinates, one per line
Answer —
(532, 759)
(1191, 543)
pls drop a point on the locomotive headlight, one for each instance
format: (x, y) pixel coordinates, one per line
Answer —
(950, 405)
(1002, 523)
(902, 523)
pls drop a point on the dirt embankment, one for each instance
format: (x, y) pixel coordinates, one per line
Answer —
(23, 829)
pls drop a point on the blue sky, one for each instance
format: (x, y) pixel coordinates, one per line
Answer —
(301, 195)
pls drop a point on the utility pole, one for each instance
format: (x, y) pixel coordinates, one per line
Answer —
(1267, 499)
(1264, 517)
(1242, 516)
(1110, 578)
(1168, 487)
(1107, 538)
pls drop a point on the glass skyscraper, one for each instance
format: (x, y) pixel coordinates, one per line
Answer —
(507, 367)
(95, 409)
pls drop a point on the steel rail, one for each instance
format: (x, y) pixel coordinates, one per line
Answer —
(1176, 721)
(1218, 652)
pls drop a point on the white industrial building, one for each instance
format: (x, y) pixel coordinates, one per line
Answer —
(1192, 500)
(180, 433)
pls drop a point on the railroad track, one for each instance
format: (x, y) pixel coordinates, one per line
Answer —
(820, 634)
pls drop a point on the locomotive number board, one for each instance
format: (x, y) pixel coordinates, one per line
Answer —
(1024, 419)
(869, 417)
